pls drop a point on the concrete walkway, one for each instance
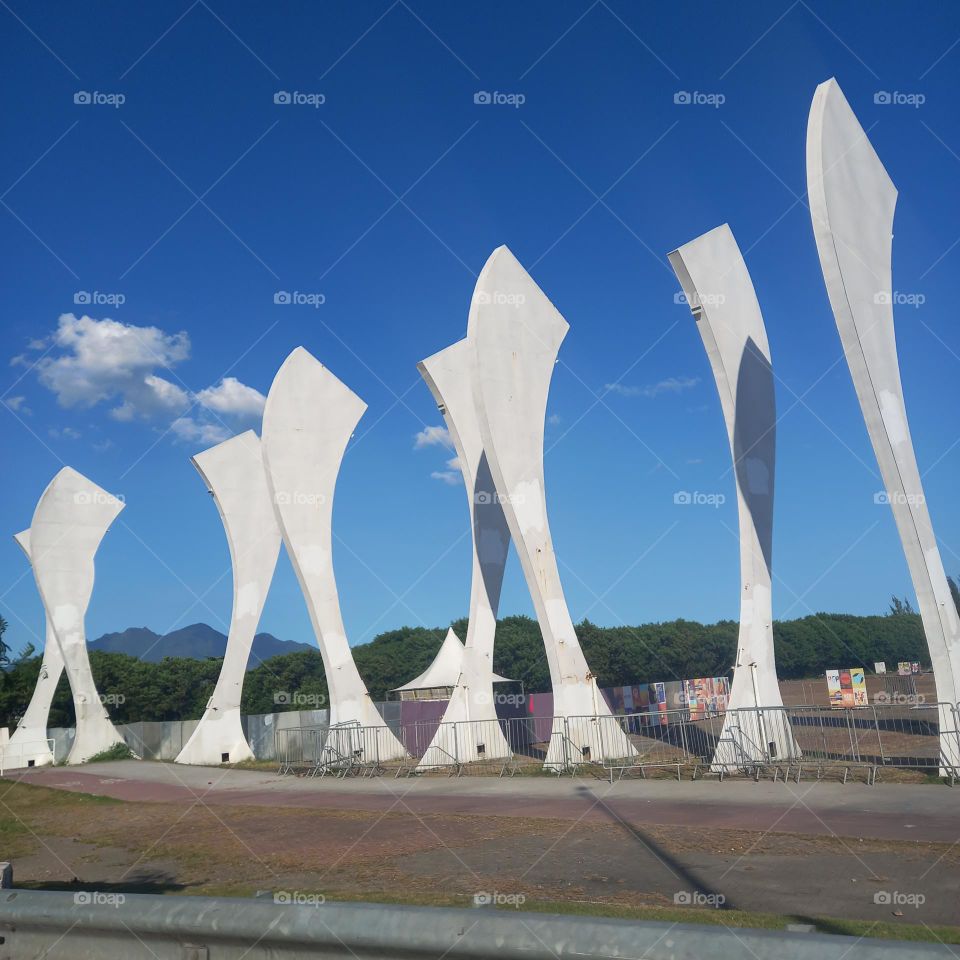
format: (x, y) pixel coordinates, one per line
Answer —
(918, 812)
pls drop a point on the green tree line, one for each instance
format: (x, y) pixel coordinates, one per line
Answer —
(178, 688)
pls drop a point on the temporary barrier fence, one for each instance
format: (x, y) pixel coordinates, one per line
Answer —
(782, 741)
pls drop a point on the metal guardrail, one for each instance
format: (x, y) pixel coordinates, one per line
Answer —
(101, 926)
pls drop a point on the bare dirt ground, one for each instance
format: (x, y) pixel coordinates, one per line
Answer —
(808, 850)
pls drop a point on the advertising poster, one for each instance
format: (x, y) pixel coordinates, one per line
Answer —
(903, 668)
(880, 667)
(858, 684)
(847, 689)
(915, 666)
(660, 697)
(705, 696)
(834, 693)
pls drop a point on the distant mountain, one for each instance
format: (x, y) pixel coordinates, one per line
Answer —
(198, 641)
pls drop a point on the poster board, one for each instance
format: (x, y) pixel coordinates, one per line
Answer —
(847, 689)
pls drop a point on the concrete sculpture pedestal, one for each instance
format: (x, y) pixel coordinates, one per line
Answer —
(516, 332)
(852, 201)
(450, 376)
(308, 419)
(718, 288)
(233, 473)
(70, 520)
(28, 746)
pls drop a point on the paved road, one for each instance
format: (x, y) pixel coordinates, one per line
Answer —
(920, 812)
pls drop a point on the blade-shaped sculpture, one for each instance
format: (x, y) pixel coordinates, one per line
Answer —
(720, 293)
(28, 747)
(70, 520)
(307, 422)
(450, 375)
(852, 201)
(516, 332)
(233, 473)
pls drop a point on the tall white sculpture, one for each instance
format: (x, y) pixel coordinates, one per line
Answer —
(852, 201)
(233, 473)
(70, 520)
(516, 332)
(309, 417)
(450, 376)
(720, 293)
(28, 746)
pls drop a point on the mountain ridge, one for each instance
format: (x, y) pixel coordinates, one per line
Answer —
(198, 641)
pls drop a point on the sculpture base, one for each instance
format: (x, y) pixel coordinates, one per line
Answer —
(217, 739)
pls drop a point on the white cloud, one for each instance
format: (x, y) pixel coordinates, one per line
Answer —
(102, 446)
(94, 361)
(432, 437)
(196, 431)
(104, 359)
(670, 385)
(232, 397)
(451, 477)
(16, 404)
(67, 433)
(554, 420)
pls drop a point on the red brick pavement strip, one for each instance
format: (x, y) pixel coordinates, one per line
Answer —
(592, 804)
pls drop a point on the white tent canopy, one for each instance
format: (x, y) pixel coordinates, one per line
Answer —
(445, 669)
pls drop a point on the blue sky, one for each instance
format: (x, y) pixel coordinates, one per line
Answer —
(198, 198)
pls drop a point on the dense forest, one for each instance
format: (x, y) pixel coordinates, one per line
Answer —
(178, 688)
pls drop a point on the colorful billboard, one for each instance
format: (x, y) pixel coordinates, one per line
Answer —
(847, 688)
(705, 696)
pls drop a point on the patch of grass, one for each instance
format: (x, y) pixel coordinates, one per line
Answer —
(32, 797)
(119, 751)
(881, 930)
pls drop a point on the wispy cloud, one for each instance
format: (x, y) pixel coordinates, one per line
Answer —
(670, 385)
(17, 404)
(433, 437)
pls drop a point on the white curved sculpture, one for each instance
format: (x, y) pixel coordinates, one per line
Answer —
(516, 332)
(720, 293)
(28, 746)
(450, 376)
(233, 473)
(852, 201)
(70, 520)
(307, 421)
